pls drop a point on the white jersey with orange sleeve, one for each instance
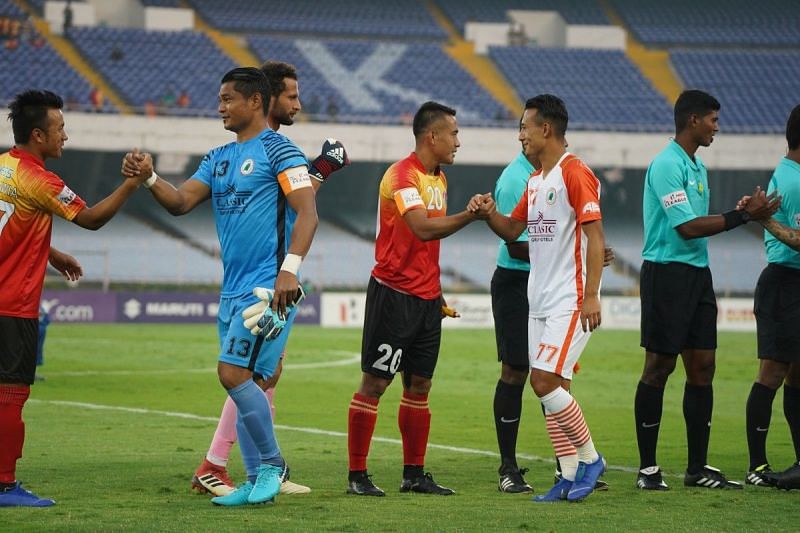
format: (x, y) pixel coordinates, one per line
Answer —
(554, 207)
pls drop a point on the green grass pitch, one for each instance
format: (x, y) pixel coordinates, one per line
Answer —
(126, 413)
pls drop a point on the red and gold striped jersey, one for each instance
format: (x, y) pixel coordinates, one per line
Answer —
(404, 262)
(29, 196)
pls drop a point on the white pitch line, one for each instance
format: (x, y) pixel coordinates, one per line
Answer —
(352, 359)
(313, 431)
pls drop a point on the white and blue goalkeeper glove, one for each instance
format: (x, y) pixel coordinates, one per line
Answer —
(261, 320)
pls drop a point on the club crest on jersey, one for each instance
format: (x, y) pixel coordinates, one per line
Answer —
(66, 196)
(550, 198)
(6, 173)
(797, 220)
(247, 167)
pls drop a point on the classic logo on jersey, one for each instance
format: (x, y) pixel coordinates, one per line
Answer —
(550, 198)
(66, 196)
(230, 201)
(410, 198)
(6, 172)
(8, 190)
(591, 207)
(541, 229)
(247, 167)
(674, 198)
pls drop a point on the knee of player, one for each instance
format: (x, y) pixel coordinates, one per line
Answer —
(373, 386)
(544, 383)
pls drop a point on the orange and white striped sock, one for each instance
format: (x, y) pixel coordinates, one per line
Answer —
(569, 417)
(565, 451)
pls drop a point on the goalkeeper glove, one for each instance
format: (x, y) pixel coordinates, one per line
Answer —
(260, 319)
(333, 158)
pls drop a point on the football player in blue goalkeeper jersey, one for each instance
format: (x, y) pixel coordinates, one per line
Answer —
(265, 215)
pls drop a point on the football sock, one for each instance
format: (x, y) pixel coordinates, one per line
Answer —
(565, 452)
(791, 410)
(361, 418)
(758, 416)
(12, 434)
(257, 420)
(507, 411)
(224, 436)
(698, 404)
(250, 455)
(648, 406)
(570, 420)
(414, 420)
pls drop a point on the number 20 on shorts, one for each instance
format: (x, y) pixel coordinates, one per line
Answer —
(390, 360)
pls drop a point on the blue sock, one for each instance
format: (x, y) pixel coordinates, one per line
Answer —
(256, 418)
(250, 456)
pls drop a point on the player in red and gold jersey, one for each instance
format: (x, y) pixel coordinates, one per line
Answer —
(29, 196)
(402, 325)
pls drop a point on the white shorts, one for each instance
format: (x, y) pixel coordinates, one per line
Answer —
(556, 342)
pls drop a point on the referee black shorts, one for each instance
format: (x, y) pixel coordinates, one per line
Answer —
(777, 310)
(402, 333)
(509, 290)
(19, 338)
(679, 308)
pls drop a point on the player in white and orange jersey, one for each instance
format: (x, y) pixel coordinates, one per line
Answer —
(561, 210)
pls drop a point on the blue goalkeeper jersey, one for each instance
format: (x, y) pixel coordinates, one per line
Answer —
(249, 185)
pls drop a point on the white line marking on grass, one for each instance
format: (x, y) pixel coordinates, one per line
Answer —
(313, 431)
(352, 358)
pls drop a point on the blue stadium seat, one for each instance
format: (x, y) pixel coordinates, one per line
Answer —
(767, 23)
(399, 18)
(387, 97)
(603, 90)
(757, 89)
(573, 11)
(155, 63)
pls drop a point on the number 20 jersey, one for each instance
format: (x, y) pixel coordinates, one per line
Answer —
(404, 262)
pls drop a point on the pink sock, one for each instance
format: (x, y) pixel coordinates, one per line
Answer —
(270, 393)
(224, 436)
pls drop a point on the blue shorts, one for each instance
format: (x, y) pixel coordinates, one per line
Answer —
(240, 347)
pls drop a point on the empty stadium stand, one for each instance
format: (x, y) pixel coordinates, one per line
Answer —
(766, 23)
(602, 88)
(399, 18)
(757, 88)
(378, 81)
(573, 11)
(153, 64)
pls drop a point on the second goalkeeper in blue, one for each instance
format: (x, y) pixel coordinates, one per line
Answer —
(265, 216)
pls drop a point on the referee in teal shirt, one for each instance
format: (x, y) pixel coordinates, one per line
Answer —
(509, 290)
(679, 308)
(777, 310)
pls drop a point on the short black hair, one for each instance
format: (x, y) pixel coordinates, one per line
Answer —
(427, 114)
(248, 81)
(693, 102)
(793, 128)
(550, 108)
(29, 111)
(276, 72)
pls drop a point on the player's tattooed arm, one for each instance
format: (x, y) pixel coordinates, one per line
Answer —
(788, 236)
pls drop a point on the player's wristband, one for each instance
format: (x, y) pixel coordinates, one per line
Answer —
(149, 182)
(734, 219)
(291, 263)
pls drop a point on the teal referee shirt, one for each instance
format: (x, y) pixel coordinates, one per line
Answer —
(786, 180)
(509, 189)
(675, 192)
